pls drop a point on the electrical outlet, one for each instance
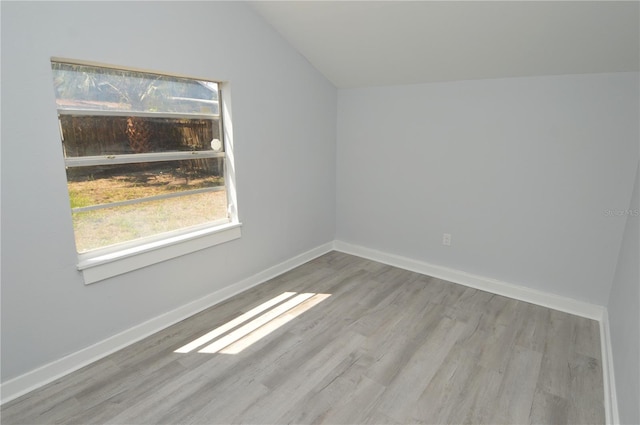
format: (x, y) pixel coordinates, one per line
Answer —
(446, 239)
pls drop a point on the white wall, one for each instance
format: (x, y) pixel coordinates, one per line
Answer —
(520, 171)
(284, 124)
(624, 314)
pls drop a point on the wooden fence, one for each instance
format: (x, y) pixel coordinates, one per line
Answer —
(107, 135)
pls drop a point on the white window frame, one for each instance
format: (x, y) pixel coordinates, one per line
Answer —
(103, 263)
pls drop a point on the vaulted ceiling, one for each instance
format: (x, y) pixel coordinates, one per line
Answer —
(374, 43)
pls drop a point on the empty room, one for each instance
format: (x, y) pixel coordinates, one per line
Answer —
(328, 212)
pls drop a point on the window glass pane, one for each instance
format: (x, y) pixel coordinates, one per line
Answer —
(144, 152)
(104, 227)
(106, 184)
(116, 135)
(105, 89)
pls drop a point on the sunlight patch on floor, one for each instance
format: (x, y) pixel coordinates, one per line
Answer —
(271, 315)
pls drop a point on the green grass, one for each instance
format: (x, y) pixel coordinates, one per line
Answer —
(78, 199)
(112, 225)
(88, 192)
(104, 227)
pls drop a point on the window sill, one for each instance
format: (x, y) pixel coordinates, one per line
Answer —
(103, 266)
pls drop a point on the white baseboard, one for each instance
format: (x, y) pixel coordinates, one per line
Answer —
(608, 375)
(545, 299)
(22, 384)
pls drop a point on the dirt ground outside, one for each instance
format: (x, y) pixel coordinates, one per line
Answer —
(112, 225)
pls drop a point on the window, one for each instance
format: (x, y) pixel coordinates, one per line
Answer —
(147, 159)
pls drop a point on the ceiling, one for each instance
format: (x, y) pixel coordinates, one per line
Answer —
(376, 43)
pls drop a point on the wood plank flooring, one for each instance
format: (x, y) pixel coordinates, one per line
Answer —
(386, 347)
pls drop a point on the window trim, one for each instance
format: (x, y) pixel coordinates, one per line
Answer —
(96, 268)
(87, 161)
(139, 114)
(106, 262)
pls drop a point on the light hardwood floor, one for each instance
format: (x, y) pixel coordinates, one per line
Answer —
(387, 346)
